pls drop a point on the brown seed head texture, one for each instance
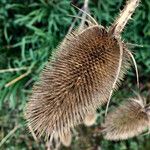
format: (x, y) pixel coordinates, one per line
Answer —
(80, 78)
(76, 82)
(128, 120)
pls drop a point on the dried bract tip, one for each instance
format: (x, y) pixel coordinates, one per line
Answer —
(128, 120)
(90, 119)
(66, 138)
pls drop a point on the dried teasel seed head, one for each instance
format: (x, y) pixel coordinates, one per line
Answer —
(77, 81)
(82, 75)
(90, 119)
(126, 121)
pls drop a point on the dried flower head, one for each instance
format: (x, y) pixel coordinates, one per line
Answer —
(126, 121)
(78, 80)
(81, 76)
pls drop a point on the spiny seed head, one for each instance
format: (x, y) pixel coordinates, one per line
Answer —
(128, 120)
(76, 82)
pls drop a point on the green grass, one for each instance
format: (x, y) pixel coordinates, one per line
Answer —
(29, 32)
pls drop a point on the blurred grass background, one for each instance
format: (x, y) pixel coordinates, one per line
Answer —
(29, 32)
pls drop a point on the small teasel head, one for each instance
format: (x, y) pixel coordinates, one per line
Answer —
(128, 120)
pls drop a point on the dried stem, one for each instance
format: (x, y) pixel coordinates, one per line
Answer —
(9, 135)
(12, 69)
(119, 24)
(18, 78)
(76, 17)
(85, 8)
(117, 76)
(85, 14)
(74, 21)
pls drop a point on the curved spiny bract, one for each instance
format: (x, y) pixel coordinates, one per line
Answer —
(76, 82)
(126, 63)
(128, 120)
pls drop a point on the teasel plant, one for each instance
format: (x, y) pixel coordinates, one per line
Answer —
(81, 76)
